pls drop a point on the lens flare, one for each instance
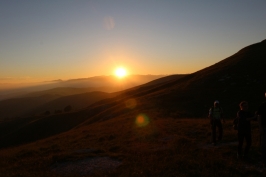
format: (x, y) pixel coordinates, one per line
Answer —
(142, 120)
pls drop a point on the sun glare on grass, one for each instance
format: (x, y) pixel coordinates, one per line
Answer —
(120, 72)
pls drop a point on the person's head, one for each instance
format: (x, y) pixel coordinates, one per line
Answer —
(243, 105)
(265, 94)
(216, 103)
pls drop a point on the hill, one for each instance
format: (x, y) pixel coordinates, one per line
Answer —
(230, 81)
(76, 101)
(48, 100)
(66, 91)
(236, 78)
(97, 83)
(148, 130)
(31, 103)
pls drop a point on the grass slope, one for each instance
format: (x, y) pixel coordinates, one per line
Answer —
(163, 147)
(144, 127)
(26, 103)
(76, 101)
(16, 107)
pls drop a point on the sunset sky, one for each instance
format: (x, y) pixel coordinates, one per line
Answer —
(43, 40)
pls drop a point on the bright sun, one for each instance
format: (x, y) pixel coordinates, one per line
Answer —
(120, 72)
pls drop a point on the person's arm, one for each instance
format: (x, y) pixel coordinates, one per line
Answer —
(210, 115)
(252, 118)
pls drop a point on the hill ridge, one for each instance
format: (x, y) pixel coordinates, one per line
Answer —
(234, 79)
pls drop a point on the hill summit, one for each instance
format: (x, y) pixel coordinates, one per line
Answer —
(232, 80)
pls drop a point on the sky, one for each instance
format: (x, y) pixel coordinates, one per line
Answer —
(68, 39)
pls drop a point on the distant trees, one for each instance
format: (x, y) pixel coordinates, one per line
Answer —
(67, 108)
(46, 113)
(57, 111)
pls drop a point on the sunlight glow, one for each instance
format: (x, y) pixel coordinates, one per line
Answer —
(120, 72)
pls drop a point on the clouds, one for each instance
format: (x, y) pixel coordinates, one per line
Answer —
(17, 80)
(108, 23)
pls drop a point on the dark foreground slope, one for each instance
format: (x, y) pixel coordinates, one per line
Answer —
(123, 147)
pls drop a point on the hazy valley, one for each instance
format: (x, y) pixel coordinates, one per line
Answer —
(52, 96)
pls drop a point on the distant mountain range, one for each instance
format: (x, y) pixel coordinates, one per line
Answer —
(232, 80)
(55, 95)
(97, 83)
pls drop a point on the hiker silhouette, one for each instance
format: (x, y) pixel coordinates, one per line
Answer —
(215, 115)
(244, 117)
(262, 128)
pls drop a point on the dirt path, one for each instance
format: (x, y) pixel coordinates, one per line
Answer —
(86, 166)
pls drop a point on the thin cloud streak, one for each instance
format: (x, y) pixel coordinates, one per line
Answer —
(109, 23)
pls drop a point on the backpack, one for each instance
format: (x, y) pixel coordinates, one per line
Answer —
(211, 110)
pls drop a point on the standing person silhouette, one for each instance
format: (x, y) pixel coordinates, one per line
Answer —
(244, 129)
(215, 115)
(262, 128)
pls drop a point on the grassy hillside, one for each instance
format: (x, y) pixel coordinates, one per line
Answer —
(16, 107)
(29, 106)
(230, 81)
(51, 99)
(163, 147)
(77, 101)
(157, 129)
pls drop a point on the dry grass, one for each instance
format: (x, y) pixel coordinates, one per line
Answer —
(164, 147)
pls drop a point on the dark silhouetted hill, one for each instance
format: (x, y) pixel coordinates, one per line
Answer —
(76, 101)
(24, 104)
(17, 107)
(236, 78)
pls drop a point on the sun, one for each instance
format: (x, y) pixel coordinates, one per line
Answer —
(120, 72)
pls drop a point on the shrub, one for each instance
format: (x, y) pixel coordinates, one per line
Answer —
(68, 108)
(46, 113)
(58, 111)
